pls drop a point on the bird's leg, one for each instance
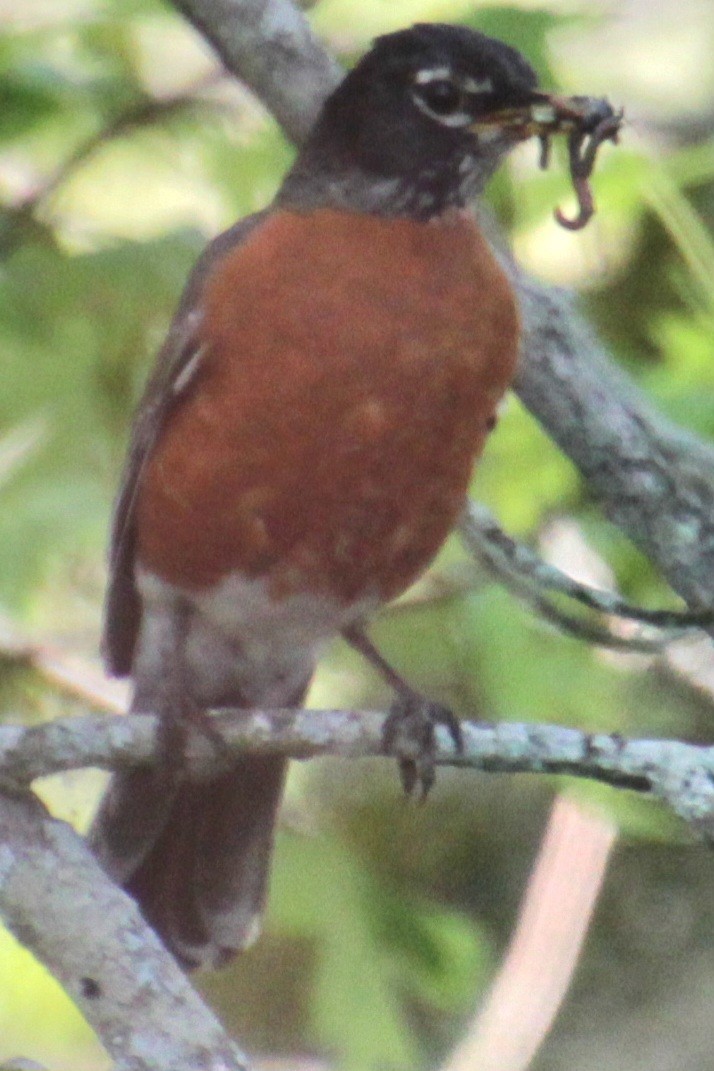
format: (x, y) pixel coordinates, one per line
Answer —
(409, 729)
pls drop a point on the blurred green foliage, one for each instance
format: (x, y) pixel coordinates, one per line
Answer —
(121, 150)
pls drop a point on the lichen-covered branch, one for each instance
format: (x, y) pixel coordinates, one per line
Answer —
(535, 582)
(653, 479)
(59, 904)
(680, 774)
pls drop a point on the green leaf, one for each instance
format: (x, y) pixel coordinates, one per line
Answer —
(320, 892)
(437, 955)
(687, 230)
(75, 351)
(18, 445)
(27, 101)
(377, 950)
(523, 474)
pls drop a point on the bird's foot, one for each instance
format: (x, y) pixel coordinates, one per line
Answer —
(409, 735)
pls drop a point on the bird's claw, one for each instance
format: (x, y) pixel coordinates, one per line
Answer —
(409, 735)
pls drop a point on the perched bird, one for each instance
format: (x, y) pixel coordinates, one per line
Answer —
(304, 447)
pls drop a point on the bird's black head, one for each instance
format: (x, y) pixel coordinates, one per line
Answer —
(424, 119)
(425, 116)
(425, 88)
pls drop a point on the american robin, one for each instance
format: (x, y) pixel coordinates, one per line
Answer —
(304, 447)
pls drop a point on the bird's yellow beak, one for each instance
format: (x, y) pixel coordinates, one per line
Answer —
(548, 113)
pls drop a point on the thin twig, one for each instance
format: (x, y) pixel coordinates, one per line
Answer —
(514, 561)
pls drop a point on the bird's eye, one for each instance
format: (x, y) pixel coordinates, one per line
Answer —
(442, 98)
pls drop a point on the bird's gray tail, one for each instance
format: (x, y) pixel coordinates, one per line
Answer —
(203, 881)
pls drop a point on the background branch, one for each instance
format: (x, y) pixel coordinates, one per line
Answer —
(27, 215)
(270, 46)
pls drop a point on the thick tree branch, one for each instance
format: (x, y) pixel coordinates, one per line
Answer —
(682, 775)
(653, 480)
(57, 901)
(269, 45)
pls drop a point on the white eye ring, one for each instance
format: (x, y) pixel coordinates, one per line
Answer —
(437, 94)
(462, 87)
(435, 74)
